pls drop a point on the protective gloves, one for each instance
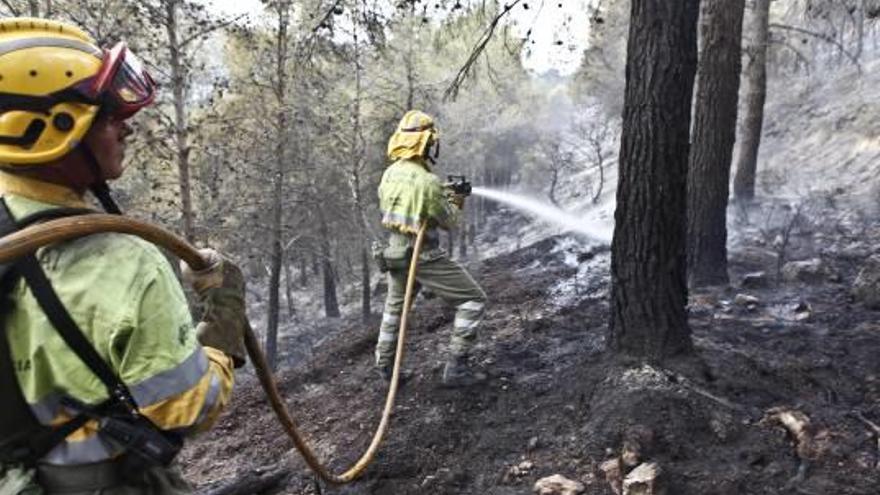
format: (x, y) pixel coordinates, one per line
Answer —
(220, 288)
(452, 197)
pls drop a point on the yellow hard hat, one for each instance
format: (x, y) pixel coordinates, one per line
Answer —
(414, 133)
(53, 80)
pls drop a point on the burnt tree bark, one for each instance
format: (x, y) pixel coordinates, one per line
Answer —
(713, 138)
(756, 95)
(648, 262)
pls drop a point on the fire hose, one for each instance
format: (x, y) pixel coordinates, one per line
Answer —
(30, 239)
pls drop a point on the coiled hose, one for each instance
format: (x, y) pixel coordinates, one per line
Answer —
(30, 239)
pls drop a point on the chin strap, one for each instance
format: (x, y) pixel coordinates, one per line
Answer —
(100, 188)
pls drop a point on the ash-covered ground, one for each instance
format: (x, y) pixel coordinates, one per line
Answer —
(789, 346)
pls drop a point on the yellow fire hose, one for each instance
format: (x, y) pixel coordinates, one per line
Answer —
(36, 236)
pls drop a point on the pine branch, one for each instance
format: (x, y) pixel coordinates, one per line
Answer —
(14, 12)
(479, 46)
(210, 29)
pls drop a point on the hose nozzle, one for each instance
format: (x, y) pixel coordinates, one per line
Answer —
(458, 184)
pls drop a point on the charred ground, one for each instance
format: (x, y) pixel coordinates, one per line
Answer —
(556, 403)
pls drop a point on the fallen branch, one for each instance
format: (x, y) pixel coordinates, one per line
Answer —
(874, 427)
(810, 442)
(823, 37)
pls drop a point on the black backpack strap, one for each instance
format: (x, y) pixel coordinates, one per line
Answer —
(33, 274)
(22, 437)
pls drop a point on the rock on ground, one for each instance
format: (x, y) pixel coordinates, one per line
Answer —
(558, 485)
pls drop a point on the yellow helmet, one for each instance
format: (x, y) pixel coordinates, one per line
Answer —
(415, 132)
(53, 80)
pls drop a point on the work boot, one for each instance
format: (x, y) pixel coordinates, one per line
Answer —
(458, 373)
(385, 373)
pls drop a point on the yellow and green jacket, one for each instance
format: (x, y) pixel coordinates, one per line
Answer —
(124, 296)
(409, 193)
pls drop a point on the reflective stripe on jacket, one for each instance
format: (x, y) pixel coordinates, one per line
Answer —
(410, 193)
(124, 296)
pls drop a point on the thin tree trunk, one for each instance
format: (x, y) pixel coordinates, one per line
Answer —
(316, 264)
(600, 163)
(288, 289)
(713, 138)
(355, 180)
(860, 29)
(648, 263)
(450, 242)
(181, 132)
(303, 271)
(366, 294)
(331, 304)
(463, 240)
(554, 179)
(280, 91)
(756, 95)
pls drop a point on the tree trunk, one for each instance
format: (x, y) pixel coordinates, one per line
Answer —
(463, 241)
(860, 29)
(181, 131)
(554, 179)
(357, 168)
(331, 304)
(450, 242)
(648, 262)
(366, 309)
(316, 264)
(756, 94)
(288, 289)
(303, 271)
(713, 139)
(280, 90)
(600, 164)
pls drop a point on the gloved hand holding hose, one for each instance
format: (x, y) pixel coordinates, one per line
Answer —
(227, 288)
(220, 288)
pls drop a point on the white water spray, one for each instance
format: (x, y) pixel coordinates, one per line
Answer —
(590, 228)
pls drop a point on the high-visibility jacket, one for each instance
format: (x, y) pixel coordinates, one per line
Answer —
(124, 296)
(409, 193)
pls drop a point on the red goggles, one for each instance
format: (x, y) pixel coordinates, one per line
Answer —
(122, 85)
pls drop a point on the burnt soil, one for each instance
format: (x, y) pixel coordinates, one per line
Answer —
(556, 402)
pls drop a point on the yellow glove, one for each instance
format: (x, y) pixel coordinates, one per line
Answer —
(220, 288)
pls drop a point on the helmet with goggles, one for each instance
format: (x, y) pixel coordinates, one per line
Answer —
(53, 82)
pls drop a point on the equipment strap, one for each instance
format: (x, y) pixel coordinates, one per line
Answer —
(33, 274)
(39, 443)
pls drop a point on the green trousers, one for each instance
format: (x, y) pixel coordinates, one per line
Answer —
(91, 479)
(449, 281)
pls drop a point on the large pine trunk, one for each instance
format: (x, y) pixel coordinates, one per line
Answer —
(648, 262)
(714, 135)
(756, 95)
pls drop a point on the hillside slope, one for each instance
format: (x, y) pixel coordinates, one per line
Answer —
(556, 403)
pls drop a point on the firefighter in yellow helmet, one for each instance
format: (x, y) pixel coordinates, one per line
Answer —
(409, 194)
(102, 371)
